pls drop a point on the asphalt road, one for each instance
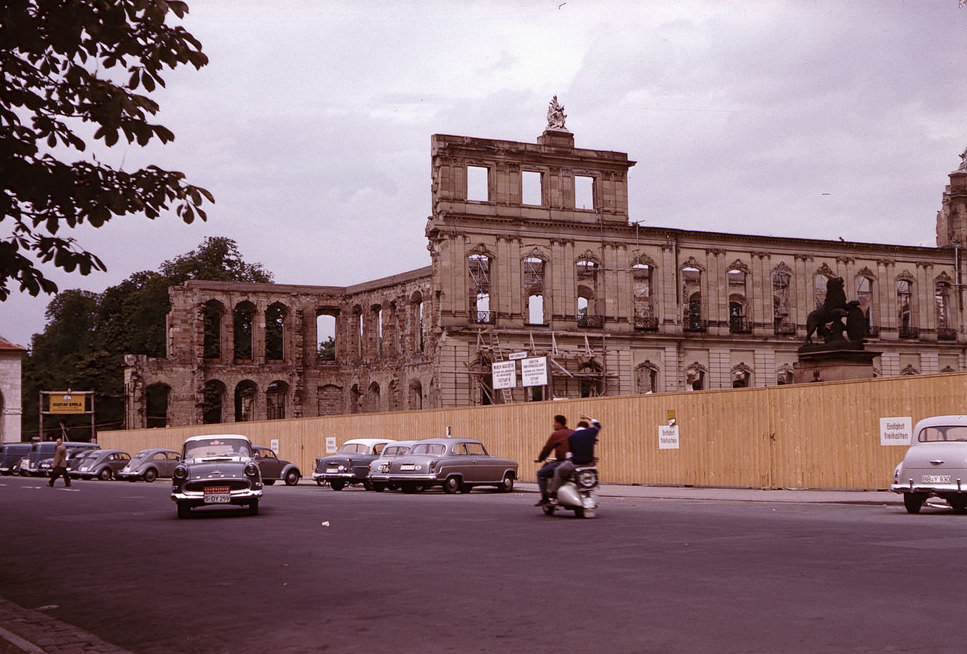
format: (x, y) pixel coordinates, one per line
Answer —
(356, 571)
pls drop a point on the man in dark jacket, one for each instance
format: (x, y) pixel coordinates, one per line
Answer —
(580, 452)
(557, 442)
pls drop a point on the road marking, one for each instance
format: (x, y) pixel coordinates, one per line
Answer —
(17, 641)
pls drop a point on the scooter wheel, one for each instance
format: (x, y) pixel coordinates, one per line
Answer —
(548, 509)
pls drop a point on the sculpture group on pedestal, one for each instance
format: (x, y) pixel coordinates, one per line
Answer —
(827, 320)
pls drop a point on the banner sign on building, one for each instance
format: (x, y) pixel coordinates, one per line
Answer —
(533, 372)
(505, 374)
(67, 403)
(668, 437)
(896, 431)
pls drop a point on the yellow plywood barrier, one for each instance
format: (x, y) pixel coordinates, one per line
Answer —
(824, 435)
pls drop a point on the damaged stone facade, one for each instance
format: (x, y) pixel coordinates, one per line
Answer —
(532, 251)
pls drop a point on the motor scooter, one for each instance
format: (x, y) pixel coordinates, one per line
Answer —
(579, 493)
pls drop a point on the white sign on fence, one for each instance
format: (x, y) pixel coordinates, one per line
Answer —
(533, 372)
(505, 374)
(896, 431)
(330, 444)
(274, 444)
(668, 437)
(517, 355)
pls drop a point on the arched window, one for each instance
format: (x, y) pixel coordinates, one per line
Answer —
(326, 334)
(214, 399)
(643, 307)
(864, 295)
(781, 282)
(588, 314)
(741, 376)
(275, 332)
(244, 319)
(416, 302)
(534, 271)
(478, 271)
(692, 299)
(212, 329)
(354, 397)
(738, 304)
(245, 394)
(275, 396)
(416, 395)
(646, 378)
(945, 328)
(371, 402)
(904, 305)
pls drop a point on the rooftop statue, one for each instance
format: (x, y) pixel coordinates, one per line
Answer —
(963, 161)
(556, 115)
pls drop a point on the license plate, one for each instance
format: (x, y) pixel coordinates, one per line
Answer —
(332, 469)
(407, 466)
(935, 479)
(217, 495)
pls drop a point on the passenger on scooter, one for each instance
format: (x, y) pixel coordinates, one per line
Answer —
(581, 445)
(557, 442)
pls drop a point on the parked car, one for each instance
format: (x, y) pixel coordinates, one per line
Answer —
(273, 468)
(456, 464)
(74, 455)
(379, 467)
(73, 462)
(104, 465)
(935, 464)
(215, 470)
(149, 464)
(351, 464)
(10, 455)
(45, 450)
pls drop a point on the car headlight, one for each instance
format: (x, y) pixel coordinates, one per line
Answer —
(251, 470)
(181, 472)
(587, 478)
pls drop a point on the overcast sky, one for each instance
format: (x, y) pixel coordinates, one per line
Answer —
(311, 124)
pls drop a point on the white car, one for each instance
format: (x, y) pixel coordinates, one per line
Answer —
(935, 464)
(350, 465)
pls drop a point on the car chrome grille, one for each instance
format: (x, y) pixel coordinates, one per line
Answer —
(233, 484)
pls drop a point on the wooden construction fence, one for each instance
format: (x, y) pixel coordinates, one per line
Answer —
(823, 435)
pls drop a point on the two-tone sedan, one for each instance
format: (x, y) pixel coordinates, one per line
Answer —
(935, 464)
(350, 465)
(214, 471)
(456, 464)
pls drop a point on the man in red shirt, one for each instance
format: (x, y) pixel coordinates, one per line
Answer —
(557, 442)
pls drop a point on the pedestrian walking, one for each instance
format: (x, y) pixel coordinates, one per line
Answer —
(60, 465)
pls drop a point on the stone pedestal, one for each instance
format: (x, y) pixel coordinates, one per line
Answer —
(556, 138)
(822, 363)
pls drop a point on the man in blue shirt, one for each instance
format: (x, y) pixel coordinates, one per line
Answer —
(581, 452)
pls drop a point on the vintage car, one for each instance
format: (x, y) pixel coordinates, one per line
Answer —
(10, 455)
(216, 470)
(103, 465)
(456, 464)
(935, 464)
(74, 457)
(273, 468)
(379, 468)
(149, 464)
(45, 450)
(351, 464)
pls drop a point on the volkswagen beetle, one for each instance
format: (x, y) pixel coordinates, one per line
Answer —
(935, 464)
(216, 470)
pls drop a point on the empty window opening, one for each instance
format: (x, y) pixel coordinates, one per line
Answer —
(478, 269)
(864, 294)
(213, 398)
(416, 395)
(692, 299)
(326, 335)
(245, 401)
(478, 189)
(275, 400)
(780, 303)
(530, 188)
(534, 289)
(904, 301)
(212, 327)
(371, 401)
(587, 281)
(378, 317)
(942, 304)
(275, 332)
(243, 325)
(583, 192)
(643, 307)
(156, 402)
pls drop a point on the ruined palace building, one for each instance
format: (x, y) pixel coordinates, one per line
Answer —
(532, 254)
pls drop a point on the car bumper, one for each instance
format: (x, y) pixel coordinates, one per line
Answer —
(930, 489)
(193, 498)
(335, 476)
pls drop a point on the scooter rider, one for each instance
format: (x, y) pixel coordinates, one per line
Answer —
(581, 446)
(557, 442)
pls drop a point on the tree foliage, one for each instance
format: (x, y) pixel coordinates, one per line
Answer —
(68, 69)
(87, 334)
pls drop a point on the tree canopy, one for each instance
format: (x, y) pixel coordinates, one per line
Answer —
(87, 334)
(68, 69)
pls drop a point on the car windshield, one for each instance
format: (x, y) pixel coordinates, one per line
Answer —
(217, 447)
(429, 448)
(942, 433)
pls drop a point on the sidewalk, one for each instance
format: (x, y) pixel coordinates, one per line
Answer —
(737, 494)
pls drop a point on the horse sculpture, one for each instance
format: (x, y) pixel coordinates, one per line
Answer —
(827, 320)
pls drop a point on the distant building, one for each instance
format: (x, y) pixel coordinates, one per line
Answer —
(533, 254)
(11, 362)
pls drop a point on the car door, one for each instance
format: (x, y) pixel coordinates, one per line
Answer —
(269, 464)
(167, 463)
(484, 466)
(118, 461)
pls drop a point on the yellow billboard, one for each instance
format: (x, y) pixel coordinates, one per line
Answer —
(67, 403)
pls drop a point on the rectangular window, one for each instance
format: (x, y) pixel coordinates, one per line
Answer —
(530, 188)
(583, 192)
(478, 188)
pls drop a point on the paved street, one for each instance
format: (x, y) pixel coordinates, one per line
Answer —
(661, 570)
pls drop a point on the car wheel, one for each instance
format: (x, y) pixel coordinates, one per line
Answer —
(913, 501)
(367, 484)
(958, 503)
(292, 478)
(253, 508)
(105, 475)
(150, 475)
(392, 486)
(320, 482)
(507, 485)
(452, 484)
(409, 487)
(183, 510)
(379, 487)
(579, 512)
(338, 484)
(268, 482)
